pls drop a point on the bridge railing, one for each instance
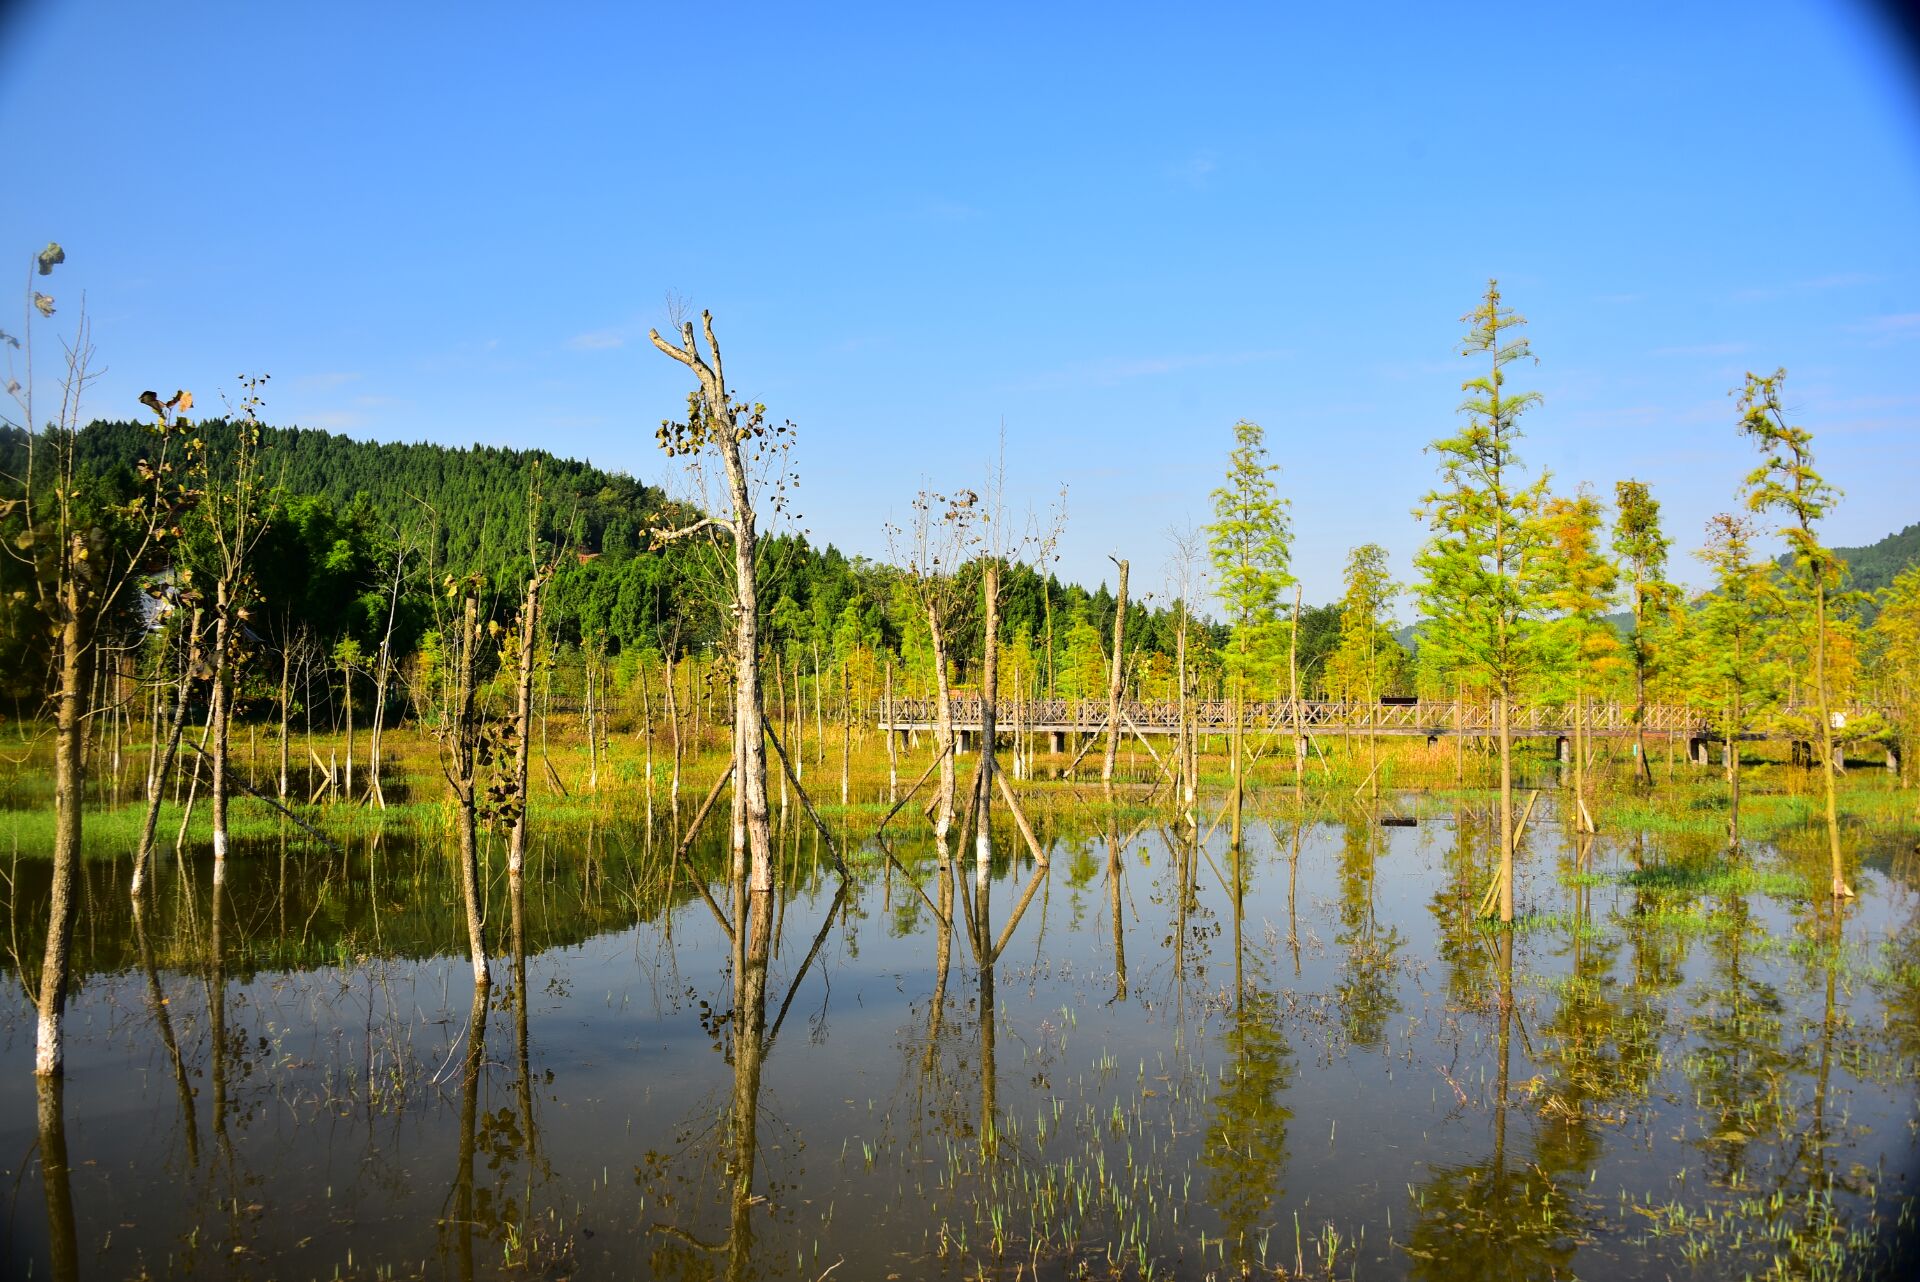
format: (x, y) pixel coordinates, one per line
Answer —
(1215, 716)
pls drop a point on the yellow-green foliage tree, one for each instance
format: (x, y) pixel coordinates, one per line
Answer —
(1580, 583)
(1786, 482)
(1366, 662)
(1642, 550)
(1730, 677)
(1896, 664)
(1482, 608)
(1250, 543)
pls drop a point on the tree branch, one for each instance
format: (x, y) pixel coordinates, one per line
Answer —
(670, 536)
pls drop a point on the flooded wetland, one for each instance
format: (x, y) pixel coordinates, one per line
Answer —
(1151, 1056)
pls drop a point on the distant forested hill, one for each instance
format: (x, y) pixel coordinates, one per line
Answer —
(477, 495)
(1875, 565)
(343, 506)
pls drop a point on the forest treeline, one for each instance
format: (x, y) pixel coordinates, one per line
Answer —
(343, 515)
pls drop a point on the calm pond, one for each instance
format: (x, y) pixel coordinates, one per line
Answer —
(1115, 1065)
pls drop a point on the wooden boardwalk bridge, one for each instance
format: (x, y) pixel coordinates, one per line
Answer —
(1060, 719)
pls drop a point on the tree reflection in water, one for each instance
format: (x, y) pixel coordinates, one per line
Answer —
(1246, 1140)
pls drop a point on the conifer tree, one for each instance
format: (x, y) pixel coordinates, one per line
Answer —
(1642, 549)
(1249, 542)
(1364, 661)
(1733, 681)
(1580, 585)
(1896, 639)
(1481, 606)
(1787, 483)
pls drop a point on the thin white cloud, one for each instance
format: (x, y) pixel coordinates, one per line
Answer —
(949, 211)
(1815, 284)
(1195, 170)
(326, 381)
(334, 420)
(1896, 323)
(598, 340)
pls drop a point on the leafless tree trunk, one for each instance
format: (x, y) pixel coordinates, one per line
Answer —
(69, 791)
(176, 723)
(346, 699)
(1114, 681)
(383, 675)
(989, 697)
(819, 710)
(1293, 697)
(590, 667)
(944, 737)
(673, 726)
(523, 722)
(846, 727)
(219, 709)
(1829, 763)
(459, 750)
(286, 700)
(893, 755)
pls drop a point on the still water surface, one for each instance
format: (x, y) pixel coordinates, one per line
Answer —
(1114, 1065)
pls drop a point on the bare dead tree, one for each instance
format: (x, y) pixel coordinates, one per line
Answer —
(718, 424)
(462, 739)
(944, 535)
(167, 753)
(526, 637)
(1183, 572)
(233, 521)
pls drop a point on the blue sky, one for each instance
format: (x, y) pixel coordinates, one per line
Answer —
(1115, 229)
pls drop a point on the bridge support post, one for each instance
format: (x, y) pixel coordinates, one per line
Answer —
(1893, 758)
(1802, 753)
(1563, 750)
(1056, 742)
(965, 740)
(1697, 751)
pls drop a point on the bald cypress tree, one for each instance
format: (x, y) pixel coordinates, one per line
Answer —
(1482, 608)
(1786, 482)
(1642, 549)
(1250, 543)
